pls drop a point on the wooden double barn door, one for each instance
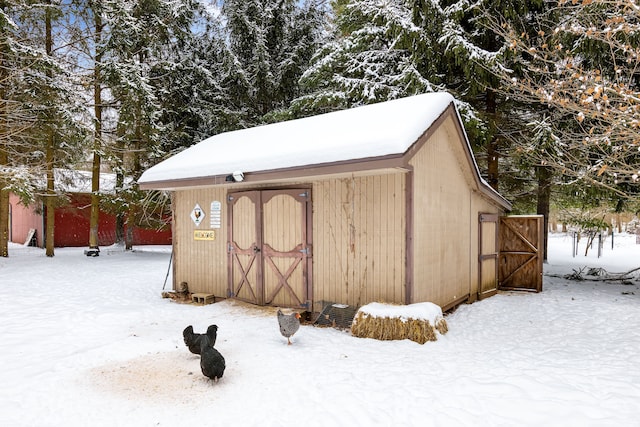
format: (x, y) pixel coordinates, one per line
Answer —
(511, 253)
(269, 247)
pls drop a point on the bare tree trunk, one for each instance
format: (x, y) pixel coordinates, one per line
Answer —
(544, 200)
(120, 216)
(95, 188)
(50, 201)
(4, 205)
(493, 176)
(4, 161)
(134, 210)
(129, 238)
(50, 153)
(95, 171)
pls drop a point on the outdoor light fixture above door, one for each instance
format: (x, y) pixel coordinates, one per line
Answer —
(237, 176)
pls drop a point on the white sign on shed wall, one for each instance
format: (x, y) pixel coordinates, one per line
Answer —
(215, 215)
(197, 215)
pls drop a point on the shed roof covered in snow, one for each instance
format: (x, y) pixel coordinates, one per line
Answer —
(368, 134)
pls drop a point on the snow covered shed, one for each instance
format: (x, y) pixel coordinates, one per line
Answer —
(382, 203)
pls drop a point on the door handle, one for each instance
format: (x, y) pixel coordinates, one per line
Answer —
(256, 249)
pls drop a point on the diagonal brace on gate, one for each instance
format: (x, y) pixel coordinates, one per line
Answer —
(283, 279)
(531, 258)
(245, 273)
(522, 237)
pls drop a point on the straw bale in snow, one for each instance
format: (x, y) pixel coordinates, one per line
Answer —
(420, 322)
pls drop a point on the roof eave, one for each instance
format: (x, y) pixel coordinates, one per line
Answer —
(482, 185)
(394, 161)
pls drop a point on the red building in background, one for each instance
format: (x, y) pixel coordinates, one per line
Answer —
(27, 223)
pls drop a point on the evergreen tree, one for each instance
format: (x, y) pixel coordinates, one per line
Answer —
(35, 83)
(270, 43)
(88, 34)
(96, 55)
(193, 103)
(9, 116)
(380, 50)
(146, 39)
(374, 56)
(124, 49)
(55, 133)
(474, 53)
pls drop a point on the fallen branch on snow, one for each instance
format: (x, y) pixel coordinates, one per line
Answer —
(600, 275)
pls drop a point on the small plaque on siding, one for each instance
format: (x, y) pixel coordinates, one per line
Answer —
(197, 215)
(204, 235)
(215, 215)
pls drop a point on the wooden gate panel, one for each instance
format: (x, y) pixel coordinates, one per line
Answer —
(521, 253)
(284, 247)
(245, 263)
(488, 255)
(269, 247)
(283, 275)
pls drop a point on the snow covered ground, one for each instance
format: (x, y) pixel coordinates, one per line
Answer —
(89, 341)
